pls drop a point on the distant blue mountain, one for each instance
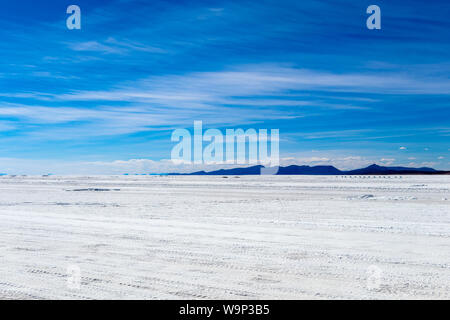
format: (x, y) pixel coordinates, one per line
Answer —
(305, 170)
(376, 169)
(255, 170)
(318, 170)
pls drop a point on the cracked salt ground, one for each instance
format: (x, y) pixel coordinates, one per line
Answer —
(210, 238)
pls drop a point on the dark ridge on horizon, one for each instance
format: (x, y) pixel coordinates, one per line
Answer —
(373, 169)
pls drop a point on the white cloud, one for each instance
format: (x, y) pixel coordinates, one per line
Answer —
(113, 46)
(428, 164)
(145, 166)
(95, 46)
(340, 162)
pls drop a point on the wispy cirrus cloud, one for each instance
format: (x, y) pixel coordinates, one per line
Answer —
(95, 46)
(113, 46)
(173, 100)
(245, 81)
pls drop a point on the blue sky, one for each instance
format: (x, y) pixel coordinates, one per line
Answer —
(105, 99)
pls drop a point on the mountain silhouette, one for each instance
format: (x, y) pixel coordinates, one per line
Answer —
(317, 170)
(373, 169)
(255, 170)
(376, 169)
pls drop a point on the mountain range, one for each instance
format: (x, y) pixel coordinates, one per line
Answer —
(317, 170)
